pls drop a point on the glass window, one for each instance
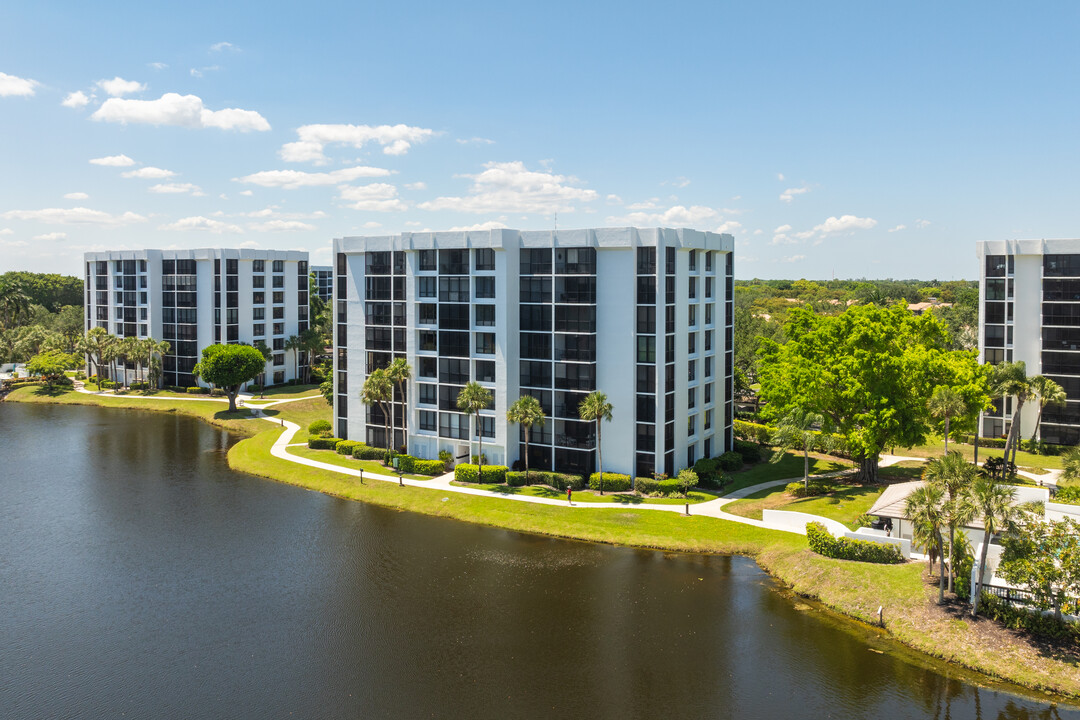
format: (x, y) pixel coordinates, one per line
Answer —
(485, 343)
(646, 261)
(485, 287)
(429, 260)
(427, 287)
(646, 349)
(485, 315)
(485, 259)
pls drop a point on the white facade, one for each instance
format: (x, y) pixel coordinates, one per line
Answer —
(552, 314)
(196, 298)
(1029, 310)
(324, 281)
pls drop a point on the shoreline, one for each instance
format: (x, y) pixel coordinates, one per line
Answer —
(851, 591)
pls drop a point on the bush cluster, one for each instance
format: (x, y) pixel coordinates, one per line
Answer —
(812, 489)
(662, 488)
(751, 452)
(346, 447)
(469, 473)
(323, 443)
(176, 388)
(1069, 495)
(196, 390)
(559, 481)
(762, 434)
(613, 482)
(320, 427)
(428, 467)
(822, 542)
(731, 461)
(1032, 621)
(366, 452)
(709, 472)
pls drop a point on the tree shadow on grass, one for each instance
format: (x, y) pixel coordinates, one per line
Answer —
(54, 391)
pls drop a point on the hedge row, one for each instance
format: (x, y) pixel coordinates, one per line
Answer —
(823, 543)
(762, 434)
(323, 443)
(469, 473)
(652, 486)
(428, 467)
(346, 447)
(1069, 495)
(559, 481)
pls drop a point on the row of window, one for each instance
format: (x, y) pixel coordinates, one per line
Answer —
(567, 261)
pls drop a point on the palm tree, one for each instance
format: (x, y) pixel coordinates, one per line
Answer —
(995, 502)
(130, 348)
(473, 398)
(1047, 392)
(14, 304)
(294, 343)
(95, 344)
(379, 390)
(399, 371)
(595, 407)
(1071, 465)
(267, 353)
(954, 476)
(796, 430)
(159, 349)
(923, 508)
(526, 412)
(946, 403)
(1010, 379)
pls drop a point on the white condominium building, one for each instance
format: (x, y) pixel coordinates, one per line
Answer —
(196, 298)
(1029, 300)
(643, 315)
(323, 276)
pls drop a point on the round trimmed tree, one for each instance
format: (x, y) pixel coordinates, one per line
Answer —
(230, 366)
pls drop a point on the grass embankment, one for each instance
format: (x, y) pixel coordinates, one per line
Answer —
(589, 496)
(845, 504)
(333, 458)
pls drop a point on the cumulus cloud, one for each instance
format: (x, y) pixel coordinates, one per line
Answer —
(281, 226)
(511, 187)
(376, 197)
(920, 224)
(292, 179)
(76, 196)
(180, 110)
(6, 231)
(790, 193)
(247, 193)
(782, 229)
(679, 182)
(650, 204)
(416, 186)
(11, 85)
(780, 176)
(613, 200)
(898, 228)
(395, 140)
(202, 224)
(676, 216)
(118, 87)
(371, 225)
(74, 216)
(728, 226)
(157, 65)
(793, 258)
(844, 224)
(475, 141)
(52, 236)
(113, 161)
(76, 99)
(176, 188)
(489, 225)
(149, 173)
(218, 47)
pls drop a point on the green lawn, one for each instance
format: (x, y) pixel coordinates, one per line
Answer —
(286, 392)
(791, 466)
(588, 496)
(334, 458)
(935, 447)
(302, 413)
(846, 504)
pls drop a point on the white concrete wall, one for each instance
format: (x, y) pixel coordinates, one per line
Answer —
(796, 521)
(616, 353)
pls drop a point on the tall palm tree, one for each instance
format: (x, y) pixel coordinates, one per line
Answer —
(161, 348)
(954, 476)
(130, 349)
(399, 371)
(95, 344)
(526, 412)
(294, 343)
(996, 503)
(1010, 379)
(923, 508)
(1071, 465)
(1047, 392)
(796, 430)
(379, 390)
(596, 408)
(946, 403)
(473, 398)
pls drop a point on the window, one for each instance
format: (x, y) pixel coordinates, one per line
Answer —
(279, 266)
(279, 344)
(485, 315)
(399, 262)
(708, 287)
(693, 266)
(646, 378)
(669, 290)
(258, 266)
(487, 426)
(485, 287)
(708, 340)
(691, 370)
(709, 314)
(485, 343)
(428, 314)
(427, 420)
(279, 328)
(454, 344)
(575, 318)
(428, 367)
(485, 259)
(535, 318)
(454, 289)
(646, 349)
(708, 393)
(453, 425)
(427, 287)
(535, 346)
(708, 366)
(646, 319)
(535, 374)
(646, 291)
(646, 261)
(691, 400)
(691, 428)
(575, 261)
(535, 261)
(708, 419)
(485, 371)
(692, 286)
(692, 316)
(279, 298)
(279, 360)
(453, 262)
(708, 261)
(691, 456)
(428, 394)
(691, 343)
(258, 329)
(669, 261)
(453, 317)
(429, 260)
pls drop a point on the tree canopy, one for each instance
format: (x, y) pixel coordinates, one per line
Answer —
(230, 366)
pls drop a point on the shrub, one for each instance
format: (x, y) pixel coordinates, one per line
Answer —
(140, 386)
(428, 467)
(406, 463)
(346, 447)
(751, 452)
(1069, 495)
(217, 392)
(107, 384)
(560, 481)
(752, 431)
(196, 390)
(813, 488)
(614, 482)
(366, 452)
(447, 458)
(323, 443)
(1032, 621)
(320, 427)
(175, 388)
(474, 459)
(731, 461)
(822, 542)
(659, 488)
(515, 478)
(708, 472)
(493, 474)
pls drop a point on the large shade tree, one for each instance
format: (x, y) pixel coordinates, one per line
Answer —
(1043, 557)
(228, 367)
(596, 408)
(870, 372)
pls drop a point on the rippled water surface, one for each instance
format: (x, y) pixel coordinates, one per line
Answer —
(140, 577)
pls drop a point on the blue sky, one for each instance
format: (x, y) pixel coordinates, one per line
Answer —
(849, 139)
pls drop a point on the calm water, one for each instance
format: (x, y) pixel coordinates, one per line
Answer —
(140, 577)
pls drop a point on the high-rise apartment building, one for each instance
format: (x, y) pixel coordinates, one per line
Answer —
(324, 281)
(644, 315)
(1029, 300)
(196, 298)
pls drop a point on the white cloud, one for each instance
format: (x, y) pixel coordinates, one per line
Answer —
(202, 224)
(898, 228)
(475, 141)
(13, 243)
(292, 179)
(395, 140)
(281, 226)
(199, 72)
(118, 86)
(650, 204)
(371, 225)
(676, 216)
(793, 258)
(247, 193)
(180, 110)
(780, 176)
(790, 193)
(376, 197)
(74, 216)
(157, 65)
(253, 244)
(510, 187)
(416, 186)
(10, 85)
(489, 225)
(52, 236)
(76, 196)
(218, 47)
(413, 223)
(844, 224)
(149, 173)
(113, 161)
(920, 224)
(176, 188)
(759, 231)
(728, 226)
(782, 229)
(679, 182)
(9, 231)
(613, 200)
(76, 99)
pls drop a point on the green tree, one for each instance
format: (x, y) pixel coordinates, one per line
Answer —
(50, 365)
(267, 353)
(596, 408)
(95, 345)
(869, 372)
(399, 371)
(1071, 465)
(527, 413)
(473, 398)
(924, 509)
(310, 343)
(69, 323)
(796, 430)
(230, 366)
(994, 502)
(1043, 557)
(688, 479)
(50, 290)
(1010, 379)
(954, 475)
(295, 344)
(946, 404)
(1046, 392)
(14, 304)
(378, 390)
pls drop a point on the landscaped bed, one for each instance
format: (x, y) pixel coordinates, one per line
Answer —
(591, 496)
(334, 458)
